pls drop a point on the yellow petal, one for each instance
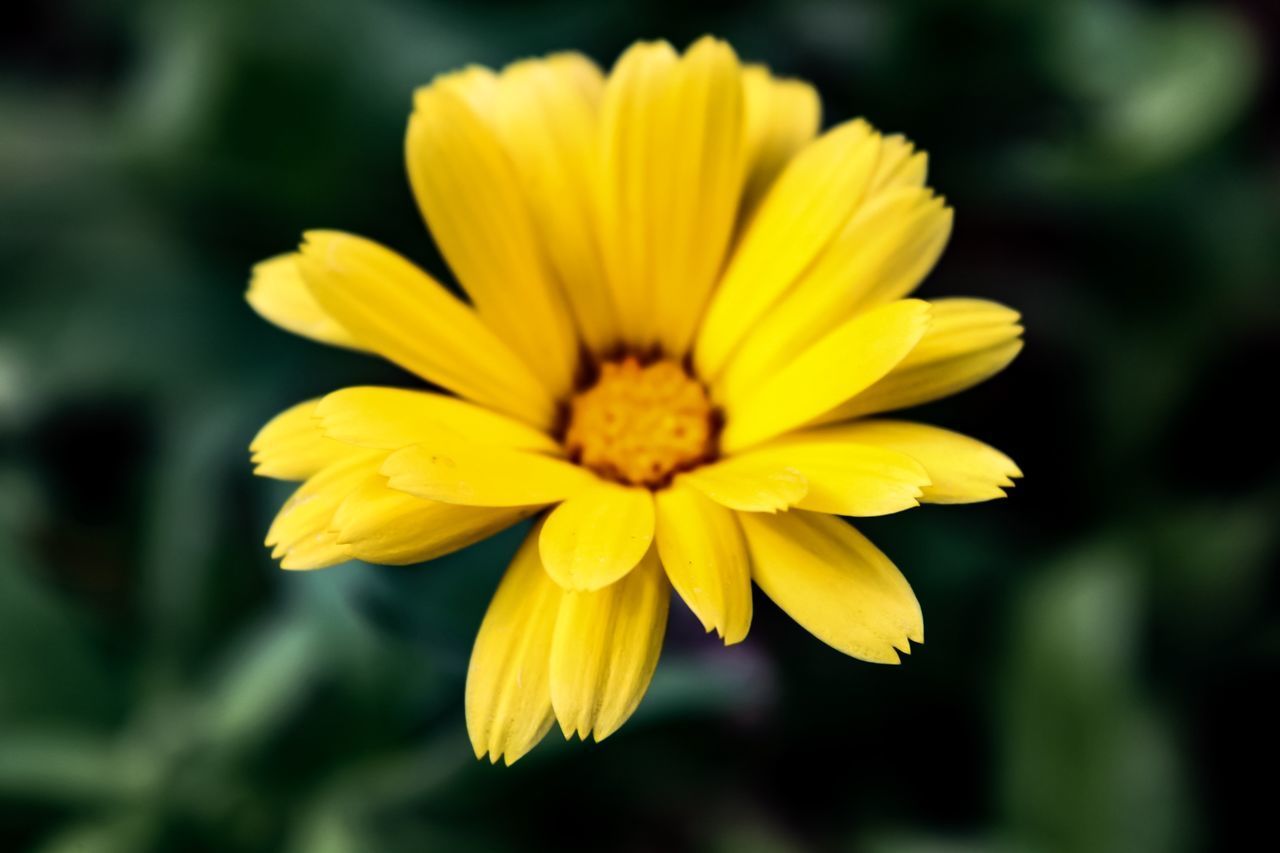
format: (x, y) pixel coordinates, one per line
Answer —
(474, 84)
(961, 469)
(627, 192)
(605, 649)
(705, 558)
(470, 195)
(844, 477)
(378, 524)
(302, 535)
(392, 418)
(884, 252)
(900, 165)
(292, 446)
(782, 116)
(279, 294)
(808, 205)
(547, 115)
(597, 535)
(968, 342)
(320, 551)
(475, 475)
(509, 679)
(397, 310)
(748, 485)
(835, 583)
(673, 149)
(847, 360)
(695, 191)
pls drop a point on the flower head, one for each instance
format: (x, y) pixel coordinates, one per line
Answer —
(686, 311)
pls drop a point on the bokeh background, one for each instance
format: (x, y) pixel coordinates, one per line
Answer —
(1102, 647)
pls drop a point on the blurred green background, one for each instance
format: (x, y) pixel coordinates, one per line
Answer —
(1101, 646)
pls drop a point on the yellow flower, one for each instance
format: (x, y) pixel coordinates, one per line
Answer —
(685, 307)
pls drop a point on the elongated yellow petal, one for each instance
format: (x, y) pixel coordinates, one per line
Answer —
(887, 248)
(471, 197)
(476, 85)
(968, 342)
(782, 116)
(748, 485)
(628, 195)
(509, 679)
(808, 205)
(960, 469)
(303, 535)
(379, 524)
(597, 535)
(392, 418)
(705, 558)
(475, 475)
(673, 149)
(695, 191)
(279, 294)
(319, 551)
(844, 477)
(547, 115)
(835, 583)
(605, 649)
(400, 312)
(900, 165)
(292, 446)
(846, 361)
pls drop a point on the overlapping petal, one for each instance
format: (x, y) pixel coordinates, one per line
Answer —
(705, 558)
(671, 174)
(807, 206)
(302, 535)
(278, 293)
(748, 484)
(606, 648)
(842, 476)
(392, 418)
(887, 248)
(470, 194)
(509, 679)
(835, 583)
(546, 112)
(968, 342)
(395, 309)
(378, 524)
(782, 116)
(830, 371)
(960, 469)
(460, 472)
(292, 445)
(597, 535)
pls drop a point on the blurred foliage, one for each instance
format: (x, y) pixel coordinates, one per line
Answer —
(1100, 645)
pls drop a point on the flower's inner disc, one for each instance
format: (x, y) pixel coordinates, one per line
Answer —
(641, 423)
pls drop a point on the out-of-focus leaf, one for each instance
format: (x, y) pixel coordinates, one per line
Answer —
(329, 831)
(1153, 88)
(188, 513)
(68, 766)
(39, 626)
(131, 832)
(263, 681)
(1088, 765)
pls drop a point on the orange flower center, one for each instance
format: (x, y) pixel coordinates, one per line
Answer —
(641, 423)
